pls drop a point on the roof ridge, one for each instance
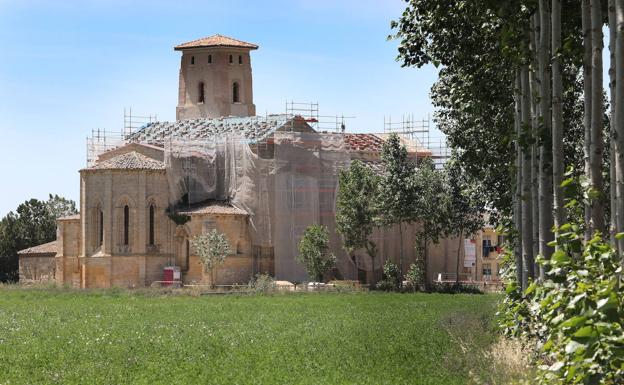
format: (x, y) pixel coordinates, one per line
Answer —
(216, 40)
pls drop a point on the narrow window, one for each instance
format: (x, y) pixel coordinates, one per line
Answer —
(240, 59)
(188, 253)
(209, 59)
(100, 227)
(200, 98)
(151, 225)
(192, 59)
(235, 95)
(231, 59)
(126, 225)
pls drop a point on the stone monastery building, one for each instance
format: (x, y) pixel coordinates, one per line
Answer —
(259, 180)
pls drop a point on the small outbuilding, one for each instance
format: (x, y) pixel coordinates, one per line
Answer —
(37, 263)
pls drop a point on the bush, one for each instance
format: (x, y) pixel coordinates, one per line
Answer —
(262, 283)
(415, 277)
(386, 285)
(576, 316)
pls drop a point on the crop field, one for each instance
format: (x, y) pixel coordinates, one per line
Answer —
(122, 337)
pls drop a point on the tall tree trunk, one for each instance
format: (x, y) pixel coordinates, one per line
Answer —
(545, 176)
(401, 253)
(533, 44)
(461, 233)
(518, 193)
(596, 149)
(557, 115)
(526, 198)
(587, 107)
(426, 263)
(619, 117)
(612, 128)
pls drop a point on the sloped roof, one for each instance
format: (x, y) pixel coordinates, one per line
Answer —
(213, 207)
(253, 128)
(215, 41)
(363, 142)
(129, 161)
(49, 248)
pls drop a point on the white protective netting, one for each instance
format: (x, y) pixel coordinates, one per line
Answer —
(286, 183)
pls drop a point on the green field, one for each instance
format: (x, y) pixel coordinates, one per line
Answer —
(119, 337)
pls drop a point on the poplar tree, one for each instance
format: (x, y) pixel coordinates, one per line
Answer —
(355, 209)
(596, 98)
(397, 195)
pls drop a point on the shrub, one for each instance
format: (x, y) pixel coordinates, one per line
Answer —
(390, 281)
(415, 277)
(314, 252)
(262, 283)
(576, 316)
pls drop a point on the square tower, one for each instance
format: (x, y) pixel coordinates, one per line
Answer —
(215, 78)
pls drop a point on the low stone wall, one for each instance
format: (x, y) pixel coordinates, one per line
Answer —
(37, 269)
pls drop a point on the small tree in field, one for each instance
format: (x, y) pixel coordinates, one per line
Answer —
(314, 252)
(466, 207)
(212, 248)
(355, 210)
(397, 194)
(431, 207)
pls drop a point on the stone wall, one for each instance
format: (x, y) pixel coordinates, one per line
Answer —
(37, 269)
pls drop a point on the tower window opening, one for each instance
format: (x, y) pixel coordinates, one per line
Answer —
(209, 59)
(151, 225)
(192, 59)
(235, 93)
(100, 227)
(200, 97)
(240, 59)
(126, 225)
(231, 59)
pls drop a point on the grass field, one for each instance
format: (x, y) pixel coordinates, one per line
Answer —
(117, 337)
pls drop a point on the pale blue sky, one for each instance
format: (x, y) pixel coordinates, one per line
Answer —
(68, 67)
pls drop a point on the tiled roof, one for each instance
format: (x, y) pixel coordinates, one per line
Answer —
(213, 207)
(215, 41)
(363, 142)
(129, 161)
(252, 127)
(46, 248)
(69, 217)
(376, 166)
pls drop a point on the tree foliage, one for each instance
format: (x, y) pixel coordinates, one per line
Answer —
(212, 248)
(396, 193)
(314, 252)
(355, 210)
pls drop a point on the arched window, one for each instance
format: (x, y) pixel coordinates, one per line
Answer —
(187, 254)
(235, 93)
(200, 98)
(240, 59)
(209, 59)
(151, 225)
(126, 225)
(231, 59)
(100, 227)
(192, 59)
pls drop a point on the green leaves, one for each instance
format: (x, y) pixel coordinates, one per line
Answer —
(212, 248)
(578, 313)
(314, 252)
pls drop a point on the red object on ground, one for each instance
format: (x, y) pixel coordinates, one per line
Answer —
(168, 276)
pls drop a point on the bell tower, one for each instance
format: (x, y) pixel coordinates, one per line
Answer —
(215, 78)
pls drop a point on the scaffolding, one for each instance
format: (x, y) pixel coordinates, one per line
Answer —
(134, 122)
(309, 112)
(419, 130)
(101, 140)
